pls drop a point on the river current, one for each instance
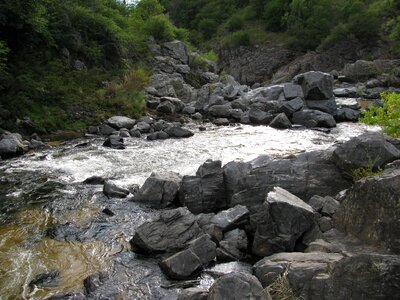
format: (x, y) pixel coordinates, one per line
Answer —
(42, 191)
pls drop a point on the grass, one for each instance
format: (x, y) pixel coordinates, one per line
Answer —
(280, 289)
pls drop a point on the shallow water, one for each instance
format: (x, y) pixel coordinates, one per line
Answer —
(42, 190)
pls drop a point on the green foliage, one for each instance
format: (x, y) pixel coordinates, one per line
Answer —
(207, 27)
(160, 28)
(237, 39)
(235, 23)
(387, 115)
(211, 56)
(274, 12)
(368, 171)
(146, 9)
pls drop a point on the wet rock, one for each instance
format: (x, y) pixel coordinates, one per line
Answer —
(204, 192)
(35, 145)
(45, 280)
(345, 92)
(94, 281)
(300, 268)
(124, 133)
(241, 103)
(370, 210)
(220, 111)
(281, 121)
(202, 128)
(236, 286)
(346, 114)
(327, 106)
(115, 142)
(113, 191)
(107, 130)
(94, 180)
(185, 264)
(93, 130)
(315, 85)
(11, 145)
(370, 149)
(170, 105)
(362, 276)
(232, 246)
(142, 127)
(119, 122)
(313, 118)
(108, 212)
(229, 267)
(290, 107)
(221, 122)
(236, 113)
(282, 221)
(231, 218)
(75, 296)
(179, 132)
(171, 231)
(158, 135)
(135, 133)
(193, 294)
(258, 116)
(197, 116)
(159, 190)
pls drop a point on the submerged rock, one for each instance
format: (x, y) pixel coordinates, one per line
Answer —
(115, 142)
(113, 191)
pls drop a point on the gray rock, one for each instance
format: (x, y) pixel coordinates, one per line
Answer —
(93, 130)
(345, 92)
(236, 286)
(221, 122)
(107, 130)
(113, 191)
(119, 122)
(193, 294)
(159, 135)
(370, 149)
(330, 206)
(142, 127)
(290, 107)
(177, 50)
(115, 142)
(232, 246)
(283, 219)
(325, 224)
(94, 180)
(189, 110)
(300, 268)
(124, 133)
(34, 144)
(204, 192)
(258, 116)
(166, 107)
(135, 133)
(172, 231)
(236, 113)
(241, 103)
(220, 111)
(197, 116)
(231, 218)
(281, 121)
(292, 91)
(229, 267)
(315, 85)
(313, 118)
(159, 190)
(178, 132)
(170, 105)
(346, 114)
(371, 212)
(328, 106)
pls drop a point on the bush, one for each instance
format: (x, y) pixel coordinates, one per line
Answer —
(207, 27)
(235, 23)
(387, 115)
(211, 56)
(160, 28)
(237, 39)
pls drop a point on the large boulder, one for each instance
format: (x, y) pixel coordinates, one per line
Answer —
(315, 85)
(313, 118)
(220, 111)
(185, 264)
(281, 121)
(204, 192)
(159, 190)
(361, 276)
(113, 191)
(119, 122)
(299, 268)
(290, 107)
(231, 218)
(292, 91)
(178, 132)
(367, 150)
(170, 105)
(11, 145)
(329, 106)
(115, 142)
(371, 211)
(176, 50)
(283, 219)
(237, 286)
(257, 116)
(172, 231)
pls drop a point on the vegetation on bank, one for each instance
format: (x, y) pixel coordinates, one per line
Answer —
(387, 115)
(302, 23)
(67, 63)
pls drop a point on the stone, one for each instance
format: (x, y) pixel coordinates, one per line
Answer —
(231, 218)
(325, 224)
(171, 231)
(371, 211)
(35, 145)
(290, 107)
(45, 280)
(292, 91)
(115, 142)
(135, 133)
(315, 85)
(142, 127)
(221, 122)
(113, 191)
(94, 281)
(124, 133)
(204, 192)
(177, 50)
(159, 190)
(178, 132)
(367, 150)
(193, 294)
(232, 246)
(170, 105)
(189, 110)
(236, 113)
(346, 114)
(94, 180)
(281, 121)
(166, 107)
(158, 135)
(258, 116)
(230, 267)
(300, 268)
(93, 130)
(185, 264)
(11, 145)
(327, 106)
(313, 118)
(236, 286)
(220, 111)
(118, 122)
(282, 221)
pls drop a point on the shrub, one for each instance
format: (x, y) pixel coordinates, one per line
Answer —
(368, 171)
(211, 56)
(234, 23)
(237, 39)
(387, 115)
(207, 27)
(160, 28)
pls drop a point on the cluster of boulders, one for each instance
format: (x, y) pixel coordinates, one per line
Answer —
(285, 214)
(308, 100)
(13, 144)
